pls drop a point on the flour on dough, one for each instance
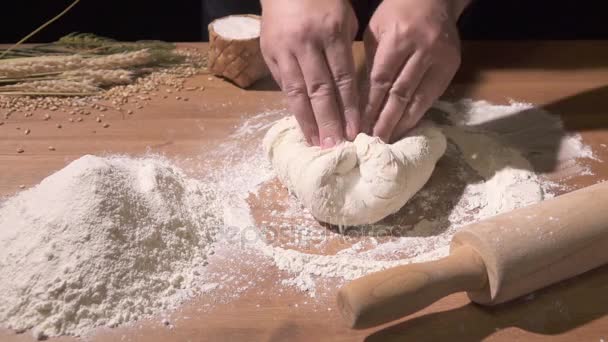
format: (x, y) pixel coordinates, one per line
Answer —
(354, 183)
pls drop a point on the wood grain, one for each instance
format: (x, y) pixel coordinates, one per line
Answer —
(569, 79)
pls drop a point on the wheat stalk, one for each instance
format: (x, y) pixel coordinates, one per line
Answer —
(24, 67)
(119, 60)
(52, 86)
(100, 77)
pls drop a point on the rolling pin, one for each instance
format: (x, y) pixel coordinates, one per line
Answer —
(494, 260)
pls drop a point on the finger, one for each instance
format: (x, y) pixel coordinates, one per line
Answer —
(270, 60)
(322, 95)
(342, 66)
(386, 64)
(370, 43)
(399, 96)
(273, 66)
(433, 84)
(294, 87)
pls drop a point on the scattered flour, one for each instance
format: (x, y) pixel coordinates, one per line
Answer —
(487, 170)
(103, 241)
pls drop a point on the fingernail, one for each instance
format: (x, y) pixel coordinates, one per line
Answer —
(328, 142)
(315, 140)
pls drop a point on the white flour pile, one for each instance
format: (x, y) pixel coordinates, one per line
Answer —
(102, 242)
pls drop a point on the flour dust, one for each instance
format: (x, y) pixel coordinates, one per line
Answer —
(499, 158)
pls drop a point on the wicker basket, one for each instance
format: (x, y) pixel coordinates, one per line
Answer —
(239, 60)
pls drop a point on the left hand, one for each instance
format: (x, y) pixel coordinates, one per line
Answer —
(413, 51)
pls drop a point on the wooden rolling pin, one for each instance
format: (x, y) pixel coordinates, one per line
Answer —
(494, 260)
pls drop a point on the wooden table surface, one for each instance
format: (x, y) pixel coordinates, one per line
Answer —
(566, 78)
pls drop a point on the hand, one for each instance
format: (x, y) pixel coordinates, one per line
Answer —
(307, 46)
(413, 52)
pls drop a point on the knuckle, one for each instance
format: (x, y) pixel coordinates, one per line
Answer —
(333, 30)
(343, 79)
(297, 33)
(380, 79)
(400, 94)
(419, 104)
(419, 99)
(294, 90)
(319, 89)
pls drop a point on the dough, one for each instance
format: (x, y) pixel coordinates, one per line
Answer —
(354, 183)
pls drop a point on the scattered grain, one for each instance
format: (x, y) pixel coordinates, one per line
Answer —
(167, 78)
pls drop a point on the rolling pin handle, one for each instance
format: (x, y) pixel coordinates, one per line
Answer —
(387, 295)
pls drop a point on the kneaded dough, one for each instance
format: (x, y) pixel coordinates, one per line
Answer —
(357, 182)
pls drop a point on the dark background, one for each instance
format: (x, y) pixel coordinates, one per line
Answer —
(186, 20)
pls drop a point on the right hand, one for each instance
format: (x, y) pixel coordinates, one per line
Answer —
(307, 47)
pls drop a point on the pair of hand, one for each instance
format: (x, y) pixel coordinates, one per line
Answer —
(412, 49)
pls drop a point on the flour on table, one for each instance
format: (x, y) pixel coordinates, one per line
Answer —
(103, 241)
(495, 161)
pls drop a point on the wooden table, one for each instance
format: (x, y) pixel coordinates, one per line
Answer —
(567, 78)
